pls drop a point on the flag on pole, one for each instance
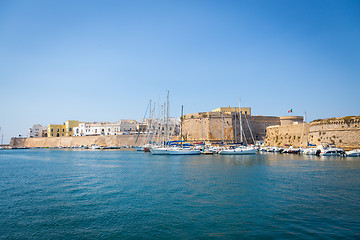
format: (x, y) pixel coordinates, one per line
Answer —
(290, 111)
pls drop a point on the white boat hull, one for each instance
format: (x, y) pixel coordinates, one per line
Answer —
(310, 151)
(238, 151)
(354, 153)
(184, 152)
(159, 151)
(332, 152)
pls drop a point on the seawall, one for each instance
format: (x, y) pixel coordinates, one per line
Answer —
(118, 140)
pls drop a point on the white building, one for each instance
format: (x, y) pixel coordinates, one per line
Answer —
(122, 127)
(159, 126)
(36, 131)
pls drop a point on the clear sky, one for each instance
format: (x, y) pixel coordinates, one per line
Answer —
(104, 60)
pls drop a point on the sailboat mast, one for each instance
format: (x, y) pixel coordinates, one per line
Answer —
(302, 132)
(222, 125)
(307, 133)
(241, 128)
(167, 118)
(235, 127)
(163, 127)
(181, 124)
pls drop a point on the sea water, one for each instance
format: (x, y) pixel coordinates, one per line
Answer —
(104, 194)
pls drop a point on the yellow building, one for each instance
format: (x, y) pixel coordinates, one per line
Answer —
(62, 130)
(244, 110)
(56, 130)
(69, 127)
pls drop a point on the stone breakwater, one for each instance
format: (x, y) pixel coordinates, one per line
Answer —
(118, 140)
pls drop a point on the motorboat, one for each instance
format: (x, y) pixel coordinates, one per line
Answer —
(353, 153)
(331, 151)
(311, 151)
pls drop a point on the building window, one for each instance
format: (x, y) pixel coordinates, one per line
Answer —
(52, 135)
(62, 134)
(245, 112)
(70, 129)
(63, 130)
(52, 130)
(58, 130)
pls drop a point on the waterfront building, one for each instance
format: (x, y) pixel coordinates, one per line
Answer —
(44, 132)
(36, 131)
(56, 130)
(122, 127)
(62, 130)
(69, 127)
(159, 126)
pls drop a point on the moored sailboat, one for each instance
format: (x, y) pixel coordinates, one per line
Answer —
(241, 150)
(181, 150)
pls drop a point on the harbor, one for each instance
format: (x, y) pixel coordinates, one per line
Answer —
(179, 120)
(75, 193)
(224, 131)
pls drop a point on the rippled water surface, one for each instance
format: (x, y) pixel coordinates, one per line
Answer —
(65, 194)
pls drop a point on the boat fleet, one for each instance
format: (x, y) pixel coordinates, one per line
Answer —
(249, 150)
(179, 147)
(322, 150)
(163, 145)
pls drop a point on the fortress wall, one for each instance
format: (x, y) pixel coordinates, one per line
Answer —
(207, 126)
(260, 123)
(285, 135)
(342, 132)
(118, 140)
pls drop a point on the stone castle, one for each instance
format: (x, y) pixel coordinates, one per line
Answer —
(343, 132)
(223, 125)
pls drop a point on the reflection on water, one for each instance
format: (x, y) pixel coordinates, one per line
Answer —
(67, 194)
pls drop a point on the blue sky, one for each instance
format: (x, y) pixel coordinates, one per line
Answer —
(104, 60)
